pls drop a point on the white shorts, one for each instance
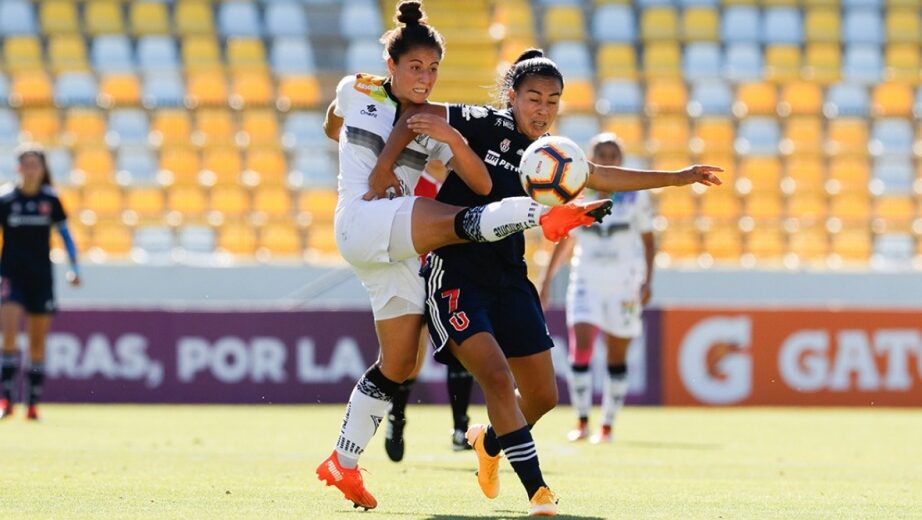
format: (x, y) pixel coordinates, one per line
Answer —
(614, 308)
(363, 234)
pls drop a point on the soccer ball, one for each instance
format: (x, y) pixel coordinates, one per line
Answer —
(553, 170)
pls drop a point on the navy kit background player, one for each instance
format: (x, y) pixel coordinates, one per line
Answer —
(481, 306)
(610, 275)
(28, 211)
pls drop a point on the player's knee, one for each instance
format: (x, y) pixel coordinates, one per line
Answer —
(497, 381)
(398, 370)
(546, 399)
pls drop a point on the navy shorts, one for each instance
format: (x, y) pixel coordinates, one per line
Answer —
(34, 293)
(457, 308)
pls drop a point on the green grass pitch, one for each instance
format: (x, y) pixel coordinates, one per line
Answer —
(257, 462)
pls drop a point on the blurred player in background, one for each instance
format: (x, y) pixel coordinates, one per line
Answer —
(610, 274)
(28, 211)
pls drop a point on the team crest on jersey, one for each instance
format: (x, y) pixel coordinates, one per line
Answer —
(504, 146)
(474, 112)
(44, 208)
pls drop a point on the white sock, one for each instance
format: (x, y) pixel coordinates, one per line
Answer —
(613, 397)
(497, 220)
(367, 407)
(581, 392)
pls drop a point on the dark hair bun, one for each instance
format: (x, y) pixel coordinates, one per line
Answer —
(529, 54)
(410, 13)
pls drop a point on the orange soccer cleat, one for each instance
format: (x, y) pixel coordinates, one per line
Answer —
(6, 408)
(487, 465)
(543, 503)
(349, 481)
(580, 432)
(558, 222)
(32, 413)
(603, 436)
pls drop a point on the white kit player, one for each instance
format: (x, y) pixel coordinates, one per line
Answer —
(610, 273)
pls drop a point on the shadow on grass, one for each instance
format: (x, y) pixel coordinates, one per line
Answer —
(671, 445)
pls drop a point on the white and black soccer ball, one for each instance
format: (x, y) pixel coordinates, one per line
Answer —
(553, 170)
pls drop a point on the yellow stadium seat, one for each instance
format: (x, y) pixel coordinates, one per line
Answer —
(231, 200)
(79, 234)
(852, 207)
(269, 164)
(84, 126)
(676, 204)
(40, 125)
(112, 237)
(321, 239)
(237, 238)
(892, 100)
(147, 202)
(852, 245)
(58, 17)
(207, 89)
(579, 96)
(822, 63)
(662, 60)
(756, 99)
(666, 96)
(564, 23)
(511, 48)
(680, 242)
(700, 24)
(171, 127)
(822, 25)
(67, 53)
(902, 63)
(803, 135)
(714, 134)
(298, 92)
(801, 98)
(764, 206)
(149, 18)
(103, 17)
(659, 24)
(225, 163)
(200, 52)
(810, 244)
(721, 205)
(782, 63)
(22, 54)
(281, 238)
(193, 17)
(251, 89)
(182, 162)
(808, 172)
(848, 136)
(851, 173)
(630, 130)
(70, 199)
(273, 201)
(261, 126)
(246, 54)
(765, 243)
(516, 18)
(120, 90)
(668, 134)
(670, 161)
(896, 210)
(616, 61)
(763, 172)
(105, 200)
(214, 126)
(187, 200)
(319, 204)
(724, 243)
(95, 165)
(903, 25)
(808, 206)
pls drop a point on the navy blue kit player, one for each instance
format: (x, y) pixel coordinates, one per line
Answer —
(28, 211)
(481, 307)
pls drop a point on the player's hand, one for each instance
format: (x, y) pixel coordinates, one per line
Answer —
(434, 126)
(73, 279)
(382, 184)
(702, 173)
(645, 293)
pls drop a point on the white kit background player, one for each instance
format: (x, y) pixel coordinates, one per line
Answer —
(610, 273)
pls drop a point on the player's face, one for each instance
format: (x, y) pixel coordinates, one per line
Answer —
(414, 74)
(31, 169)
(535, 104)
(607, 154)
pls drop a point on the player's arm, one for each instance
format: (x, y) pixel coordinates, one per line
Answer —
(617, 179)
(332, 123)
(562, 252)
(649, 252)
(73, 276)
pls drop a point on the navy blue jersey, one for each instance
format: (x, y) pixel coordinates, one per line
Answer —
(27, 222)
(493, 136)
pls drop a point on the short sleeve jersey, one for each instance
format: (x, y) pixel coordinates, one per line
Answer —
(369, 112)
(27, 222)
(612, 247)
(493, 136)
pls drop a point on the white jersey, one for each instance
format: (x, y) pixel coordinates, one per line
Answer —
(613, 249)
(369, 112)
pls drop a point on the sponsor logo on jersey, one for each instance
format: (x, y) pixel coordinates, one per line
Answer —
(469, 112)
(504, 146)
(492, 158)
(505, 123)
(370, 110)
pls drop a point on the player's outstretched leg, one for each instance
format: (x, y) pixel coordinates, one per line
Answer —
(560, 220)
(394, 444)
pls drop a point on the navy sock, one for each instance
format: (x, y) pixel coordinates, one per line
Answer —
(36, 381)
(460, 382)
(520, 450)
(8, 373)
(401, 396)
